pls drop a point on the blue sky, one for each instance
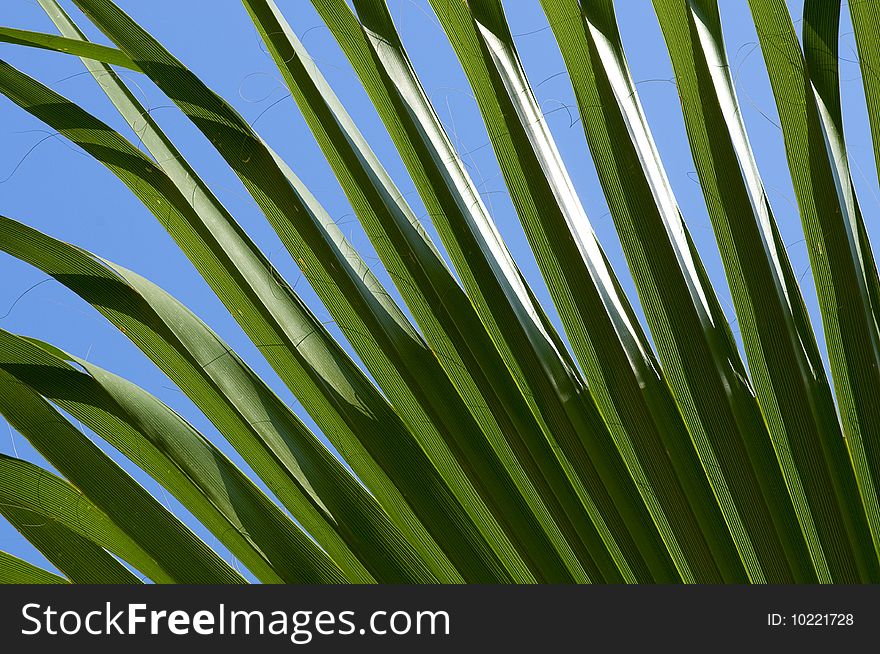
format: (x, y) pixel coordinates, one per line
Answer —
(49, 184)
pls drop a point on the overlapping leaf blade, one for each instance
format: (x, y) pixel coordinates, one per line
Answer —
(180, 553)
(808, 103)
(81, 560)
(406, 253)
(619, 365)
(170, 450)
(71, 531)
(342, 400)
(485, 453)
(315, 243)
(692, 335)
(14, 570)
(783, 356)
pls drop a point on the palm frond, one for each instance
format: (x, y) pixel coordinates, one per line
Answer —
(476, 442)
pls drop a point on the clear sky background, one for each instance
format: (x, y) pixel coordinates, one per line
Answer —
(51, 185)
